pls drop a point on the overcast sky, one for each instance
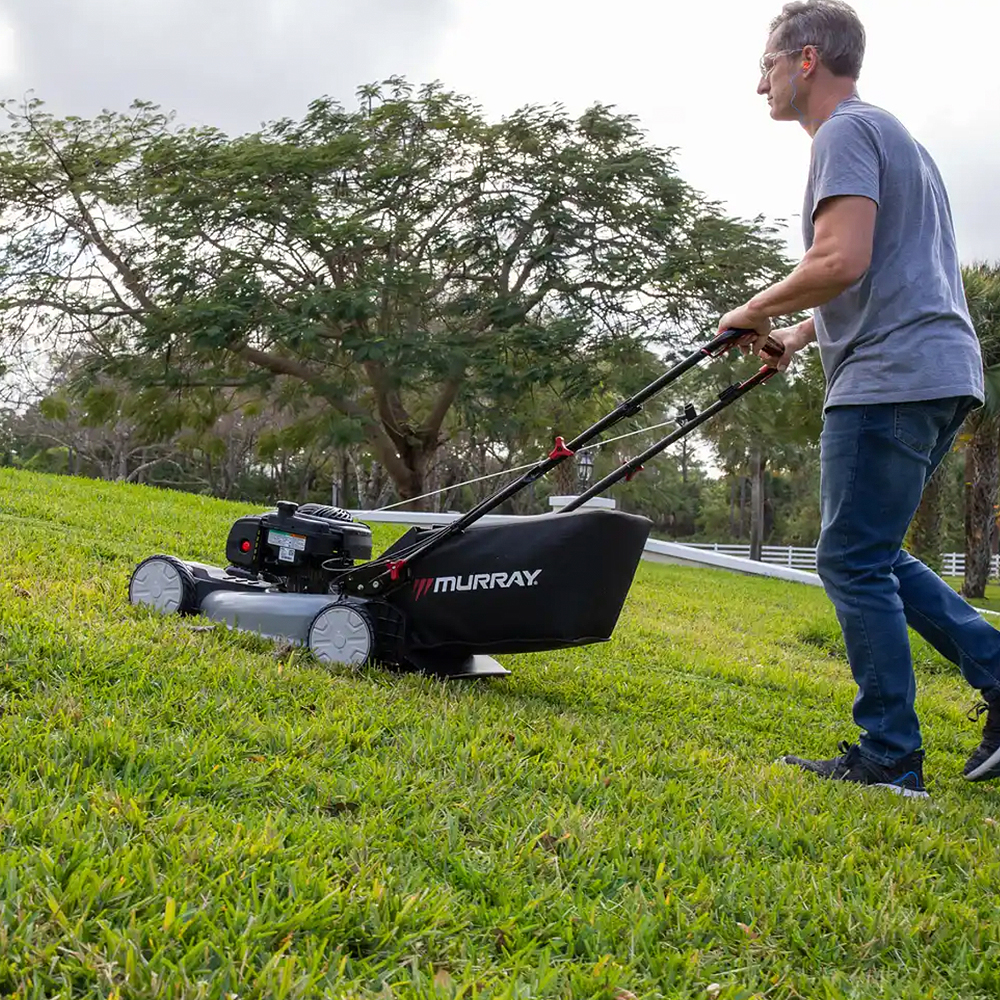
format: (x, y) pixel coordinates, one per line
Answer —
(686, 68)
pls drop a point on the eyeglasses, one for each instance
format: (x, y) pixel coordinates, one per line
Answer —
(768, 60)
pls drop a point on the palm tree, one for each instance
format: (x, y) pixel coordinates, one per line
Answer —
(981, 433)
(775, 428)
(923, 539)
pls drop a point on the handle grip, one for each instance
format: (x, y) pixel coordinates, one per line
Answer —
(771, 347)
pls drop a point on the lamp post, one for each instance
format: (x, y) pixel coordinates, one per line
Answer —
(584, 462)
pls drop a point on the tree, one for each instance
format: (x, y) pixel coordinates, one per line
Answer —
(924, 538)
(99, 427)
(981, 434)
(775, 428)
(399, 261)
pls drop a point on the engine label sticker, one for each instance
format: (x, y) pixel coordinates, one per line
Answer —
(287, 544)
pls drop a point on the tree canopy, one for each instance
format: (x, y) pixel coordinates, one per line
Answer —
(407, 262)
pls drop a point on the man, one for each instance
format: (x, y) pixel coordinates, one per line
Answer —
(903, 370)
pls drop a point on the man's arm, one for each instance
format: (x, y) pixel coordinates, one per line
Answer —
(807, 332)
(840, 255)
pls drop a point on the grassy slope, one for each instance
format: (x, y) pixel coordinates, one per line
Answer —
(189, 813)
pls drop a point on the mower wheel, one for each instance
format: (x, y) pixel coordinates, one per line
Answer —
(324, 510)
(164, 583)
(341, 634)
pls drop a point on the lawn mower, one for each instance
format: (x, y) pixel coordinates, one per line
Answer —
(440, 600)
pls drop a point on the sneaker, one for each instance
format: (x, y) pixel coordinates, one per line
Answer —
(985, 760)
(905, 777)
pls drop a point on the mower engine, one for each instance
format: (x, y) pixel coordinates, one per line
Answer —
(302, 549)
(281, 581)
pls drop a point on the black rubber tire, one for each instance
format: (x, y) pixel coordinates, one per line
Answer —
(324, 510)
(187, 603)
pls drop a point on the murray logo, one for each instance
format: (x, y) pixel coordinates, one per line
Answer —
(475, 581)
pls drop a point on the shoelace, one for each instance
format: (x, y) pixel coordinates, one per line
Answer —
(992, 726)
(850, 755)
(976, 711)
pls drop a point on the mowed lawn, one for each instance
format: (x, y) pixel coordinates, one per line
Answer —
(190, 812)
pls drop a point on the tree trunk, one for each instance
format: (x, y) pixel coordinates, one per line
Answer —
(982, 481)
(565, 476)
(364, 483)
(411, 485)
(757, 505)
(343, 494)
(306, 484)
(732, 506)
(924, 537)
(742, 506)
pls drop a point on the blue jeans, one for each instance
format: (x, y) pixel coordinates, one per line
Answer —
(875, 462)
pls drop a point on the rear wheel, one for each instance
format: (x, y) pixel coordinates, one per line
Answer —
(163, 583)
(342, 634)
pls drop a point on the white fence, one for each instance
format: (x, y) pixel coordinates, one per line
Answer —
(952, 563)
(777, 555)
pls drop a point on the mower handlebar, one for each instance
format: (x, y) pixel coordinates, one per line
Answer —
(727, 340)
(381, 575)
(773, 349)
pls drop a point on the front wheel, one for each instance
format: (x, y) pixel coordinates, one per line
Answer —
(163, 583)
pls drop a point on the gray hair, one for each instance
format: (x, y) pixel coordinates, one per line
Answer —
(831, 25)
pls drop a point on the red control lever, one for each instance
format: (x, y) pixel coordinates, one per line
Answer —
(560, 450)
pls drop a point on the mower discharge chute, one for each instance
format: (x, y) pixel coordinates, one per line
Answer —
(440, 599)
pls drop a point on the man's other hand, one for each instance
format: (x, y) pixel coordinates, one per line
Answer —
(793, 339)
(746, 318)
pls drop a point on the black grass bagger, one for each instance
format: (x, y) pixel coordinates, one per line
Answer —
(443, 599)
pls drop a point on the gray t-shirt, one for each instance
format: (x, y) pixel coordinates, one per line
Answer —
(902, 332)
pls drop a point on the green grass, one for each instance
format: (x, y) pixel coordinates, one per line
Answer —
(195, 813)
